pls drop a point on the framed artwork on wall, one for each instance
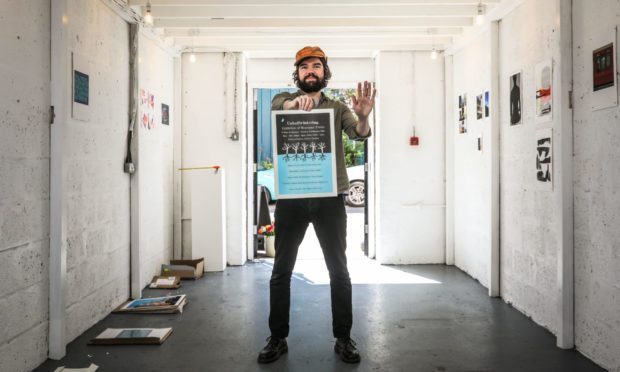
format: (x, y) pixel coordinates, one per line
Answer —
(487, 104)
(516, 97)
(80, 87)
(543, 78)
(165, 114)
(604, 71)
(544, 158)
(463, 113)
(479, 107)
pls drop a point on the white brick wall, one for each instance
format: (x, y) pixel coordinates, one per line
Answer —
(24, 183)
(597, 196)
(154, 162)
(472, 168)
(528, 226)
(96, 189)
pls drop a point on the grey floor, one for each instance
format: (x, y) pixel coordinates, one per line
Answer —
(448, 325)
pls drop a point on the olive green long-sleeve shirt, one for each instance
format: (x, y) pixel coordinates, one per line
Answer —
(344, 120)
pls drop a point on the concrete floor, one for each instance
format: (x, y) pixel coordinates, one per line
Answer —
(406, 318)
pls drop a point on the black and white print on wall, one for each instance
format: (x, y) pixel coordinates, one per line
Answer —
(515, 98)
(463, 113)
(543, 78)
(544, 158)
(604, 67)
(479, 112)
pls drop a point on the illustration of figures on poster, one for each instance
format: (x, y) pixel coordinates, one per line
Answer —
(305, 165)
(463, 113)
(604, 79)
(544, 158)
(516, 97)
(543, 78)
(147, 108)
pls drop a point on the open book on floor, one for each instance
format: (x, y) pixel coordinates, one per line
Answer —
(127, 336)
(154, 305)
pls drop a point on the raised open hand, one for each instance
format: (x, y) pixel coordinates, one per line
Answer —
(365, 100)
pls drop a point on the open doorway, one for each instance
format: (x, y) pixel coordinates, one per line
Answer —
(356, 159)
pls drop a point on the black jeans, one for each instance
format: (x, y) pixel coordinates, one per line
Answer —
(329, 218)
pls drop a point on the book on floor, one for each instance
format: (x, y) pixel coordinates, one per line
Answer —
(127, 336)
(154, 305)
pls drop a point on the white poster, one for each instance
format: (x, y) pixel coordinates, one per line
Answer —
(544, 158)
(543, 78)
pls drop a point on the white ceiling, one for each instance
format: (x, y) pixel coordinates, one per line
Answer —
(340, 27)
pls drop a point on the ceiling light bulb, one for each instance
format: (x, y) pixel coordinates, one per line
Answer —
(434, 54)
(192, 57)
(148, 17)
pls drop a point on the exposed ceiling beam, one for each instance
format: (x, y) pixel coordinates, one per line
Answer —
(181, 3)
(298, 11)
(329, 50)
(311, 40)
(304, 23)
(321, 32)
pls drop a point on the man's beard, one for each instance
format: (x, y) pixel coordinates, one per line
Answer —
(312, 86)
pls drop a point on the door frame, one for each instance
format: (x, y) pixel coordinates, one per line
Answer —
(250, 168)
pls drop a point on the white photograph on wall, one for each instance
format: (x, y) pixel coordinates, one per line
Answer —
(543, 78)
(80, 88)
(516, 97)
(604, 70)
(544, 158)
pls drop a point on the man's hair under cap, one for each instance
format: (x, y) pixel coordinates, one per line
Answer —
(309, 51)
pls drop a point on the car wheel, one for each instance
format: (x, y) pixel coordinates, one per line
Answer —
(357, 196)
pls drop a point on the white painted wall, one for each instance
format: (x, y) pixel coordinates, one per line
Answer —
(209, 113)
(596, 198)
(472, 168)
(97, 190)
(410, 180)
(24, 183)
(154, 160)
(528, 221)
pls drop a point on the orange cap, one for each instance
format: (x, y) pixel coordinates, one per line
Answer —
(309, 51)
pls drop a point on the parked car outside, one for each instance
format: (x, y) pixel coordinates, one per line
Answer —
(356, 193)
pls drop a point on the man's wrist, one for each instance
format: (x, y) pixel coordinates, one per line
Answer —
(288, 104)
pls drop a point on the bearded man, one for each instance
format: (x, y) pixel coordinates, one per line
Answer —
(327, 215)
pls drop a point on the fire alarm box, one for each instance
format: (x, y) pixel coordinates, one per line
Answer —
(414, 140)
